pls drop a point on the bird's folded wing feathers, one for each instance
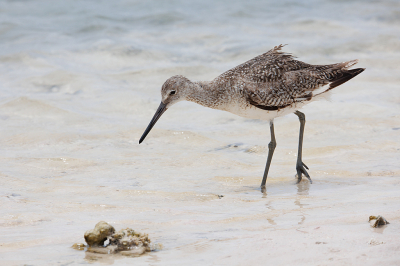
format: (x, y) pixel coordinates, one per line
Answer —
(267, 67)
(274, 80)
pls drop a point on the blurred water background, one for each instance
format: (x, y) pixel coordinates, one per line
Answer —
(80, 80)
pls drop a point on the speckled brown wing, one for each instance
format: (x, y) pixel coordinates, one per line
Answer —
(275, 80)
(267, 67)
(271, 99)
(261, 79)
(299, 85)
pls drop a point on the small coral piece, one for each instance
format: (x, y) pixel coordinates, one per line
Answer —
(377, 221)
(126, 241)
(97, 236)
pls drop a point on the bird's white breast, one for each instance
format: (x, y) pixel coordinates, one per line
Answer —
(253, 112)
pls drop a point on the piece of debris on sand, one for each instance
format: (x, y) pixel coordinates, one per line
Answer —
(100, 233)
(377, 221)
(125, 242)
(374, 242)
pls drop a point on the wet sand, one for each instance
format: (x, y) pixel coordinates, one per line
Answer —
(73, 109)
(56, 184)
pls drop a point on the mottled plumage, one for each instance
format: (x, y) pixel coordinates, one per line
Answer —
(268, 86)
(275, 80)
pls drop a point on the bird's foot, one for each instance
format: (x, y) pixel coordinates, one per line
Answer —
(301, 169)
(263, 189)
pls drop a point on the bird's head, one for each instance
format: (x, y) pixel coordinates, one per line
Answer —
(173, 90)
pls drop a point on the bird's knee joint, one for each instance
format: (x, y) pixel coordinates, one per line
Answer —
(272, 145)
(302, 117)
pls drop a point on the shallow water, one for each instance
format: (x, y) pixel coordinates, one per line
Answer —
(81, 80)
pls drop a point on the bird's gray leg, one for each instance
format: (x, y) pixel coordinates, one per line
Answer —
(271, 148)
(300, 166)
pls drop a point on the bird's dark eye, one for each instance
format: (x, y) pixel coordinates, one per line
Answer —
(172, 93)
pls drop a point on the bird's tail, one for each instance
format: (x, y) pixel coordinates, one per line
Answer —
(341, 75)
(345, 76)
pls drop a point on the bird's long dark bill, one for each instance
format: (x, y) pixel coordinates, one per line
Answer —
(161, 109)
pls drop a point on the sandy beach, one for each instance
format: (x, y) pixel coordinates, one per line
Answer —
(80, 82)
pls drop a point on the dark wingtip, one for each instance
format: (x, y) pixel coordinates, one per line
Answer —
(357, 71)
(347, 75)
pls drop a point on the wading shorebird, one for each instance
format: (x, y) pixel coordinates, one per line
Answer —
(268, 86)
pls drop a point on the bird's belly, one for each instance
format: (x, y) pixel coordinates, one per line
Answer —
(253, 112)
